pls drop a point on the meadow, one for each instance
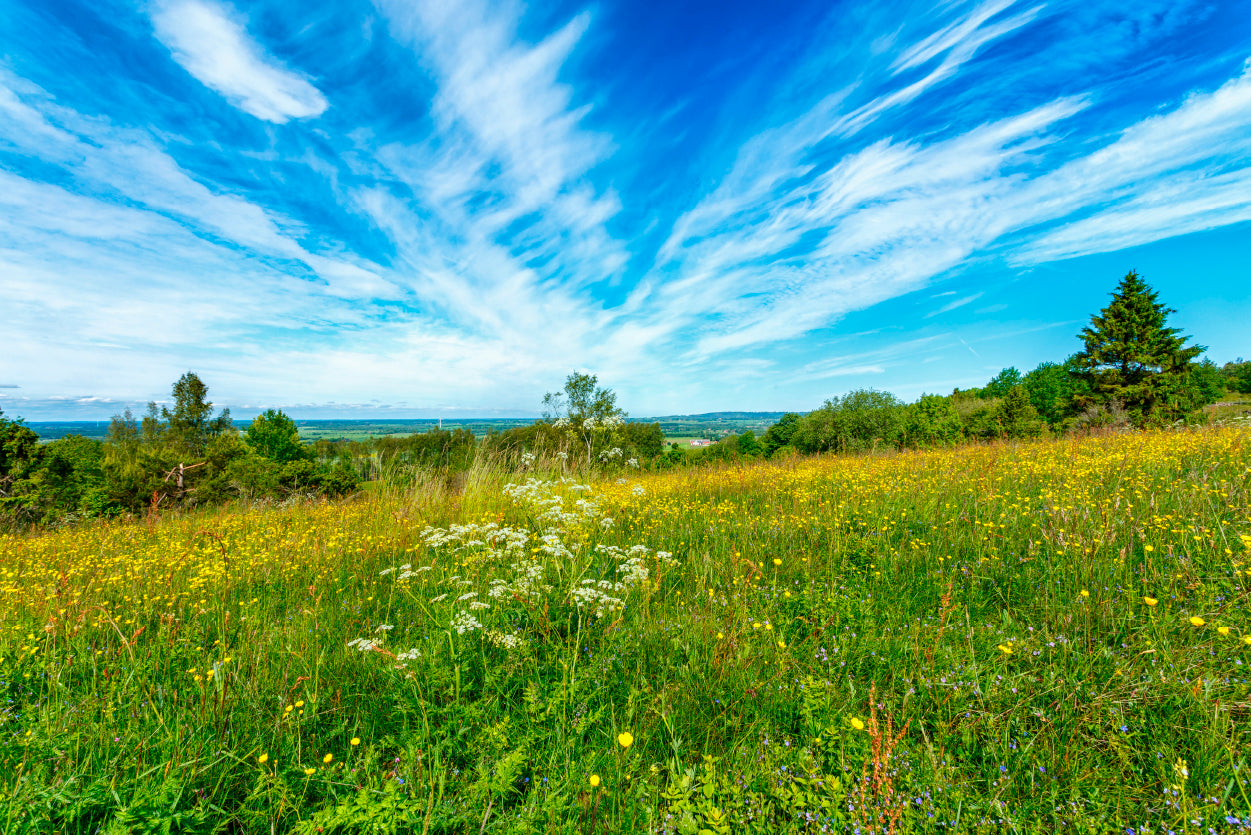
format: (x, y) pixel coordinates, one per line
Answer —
(1029, 637)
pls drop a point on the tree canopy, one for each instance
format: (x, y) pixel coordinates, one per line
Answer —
(1131, 356)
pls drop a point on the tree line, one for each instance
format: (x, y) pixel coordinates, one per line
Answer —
(183, 456)
(1132, 370)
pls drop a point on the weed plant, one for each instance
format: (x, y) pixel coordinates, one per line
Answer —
(1037, 637)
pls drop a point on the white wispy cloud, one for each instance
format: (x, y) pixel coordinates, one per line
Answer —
(506, 259)
(211, 42)
(952, 305)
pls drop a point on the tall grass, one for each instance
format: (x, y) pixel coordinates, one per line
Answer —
(1007, 638)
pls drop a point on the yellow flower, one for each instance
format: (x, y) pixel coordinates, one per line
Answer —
(625, 739)
(720, 635)
(326, 759)
(308, 772)
(300, 703)
(1246, 639)
(263, 758)
(1149, 548)
(356, 740)
(594, 780)
(856, 723)
(1150, 601)
(1224, 630)
(1006, 649)
(782, 644)
(1085, 593)
(777, 561)
(1197, 621)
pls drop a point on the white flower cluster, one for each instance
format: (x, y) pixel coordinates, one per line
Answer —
(638, 490)
(503, 640)
(610, 454)
(633, 463)
(363, 644)
(590, 424)
(527, 459)
(550, 505)
(489, 535)
(409, 655)
(465, 622)
(595, 596)
(526, 585)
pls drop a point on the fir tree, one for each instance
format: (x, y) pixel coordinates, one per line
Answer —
(1130, 356)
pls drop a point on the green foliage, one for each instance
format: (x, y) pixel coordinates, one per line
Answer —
(1051, 388)
(1001, 384)
(19, 458)
(1237, 376)
(1131, 357)
(581, 399)
(273, 435)
(934, 421)
(190, 425)
(779, 434)
(1016, 415)
(860, 420)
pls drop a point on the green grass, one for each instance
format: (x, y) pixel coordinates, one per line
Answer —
(833, 644)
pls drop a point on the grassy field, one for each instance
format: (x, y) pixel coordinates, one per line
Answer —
(1052, 636)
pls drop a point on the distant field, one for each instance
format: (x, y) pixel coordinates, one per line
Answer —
(1039, 637)
(359, 430)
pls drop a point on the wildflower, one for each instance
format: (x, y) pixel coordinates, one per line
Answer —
(1246, 639)
(263, 758)
(1197, 621)
(300, 703)
(1150, 601)
(356, 740)
(781, 644)
(720, 635)
(308, 772)
(777, 561)
(1006, 649)
(594, 780)
(1223, 630)
(1149, 548)
(1085, 593)
(326, 759)
(856, 722)
(625, 739)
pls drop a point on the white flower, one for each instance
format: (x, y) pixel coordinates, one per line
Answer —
(409, 655)
(363, 644)
(465, 622)
(437, 599)
(384, 627)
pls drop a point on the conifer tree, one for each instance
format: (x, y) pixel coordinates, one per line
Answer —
(1130, 355)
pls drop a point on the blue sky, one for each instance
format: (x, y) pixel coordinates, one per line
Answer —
(409, 208)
